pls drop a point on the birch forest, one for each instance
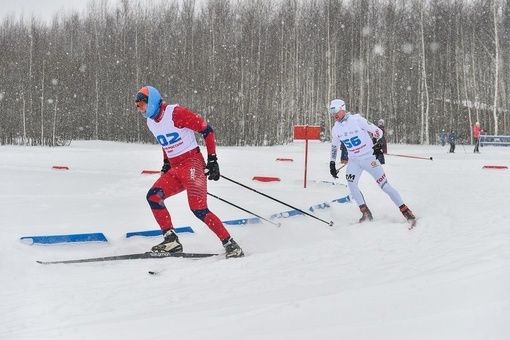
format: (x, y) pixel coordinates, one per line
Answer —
(256, 68)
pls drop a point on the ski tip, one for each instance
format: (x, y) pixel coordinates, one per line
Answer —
(412, 224)
(43, 262)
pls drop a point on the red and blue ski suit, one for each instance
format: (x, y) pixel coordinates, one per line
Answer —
(175, 128)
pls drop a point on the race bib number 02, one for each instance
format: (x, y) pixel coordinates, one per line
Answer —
(168, 139)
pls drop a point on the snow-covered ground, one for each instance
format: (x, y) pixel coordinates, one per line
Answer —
(449, 278)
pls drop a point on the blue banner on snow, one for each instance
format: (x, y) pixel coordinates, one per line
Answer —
(243, 221)
(73, 238)
(286, 214)
(157, 232)
(324, 205)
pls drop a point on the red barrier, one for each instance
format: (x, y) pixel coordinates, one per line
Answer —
(266, 179)
(150, 172)
(495, 167)
(60, 167)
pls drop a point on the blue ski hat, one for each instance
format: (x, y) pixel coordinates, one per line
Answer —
(151, 96)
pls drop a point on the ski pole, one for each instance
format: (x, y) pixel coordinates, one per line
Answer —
(238, 207)
(340, 168)
(408, 156)
(277, 200)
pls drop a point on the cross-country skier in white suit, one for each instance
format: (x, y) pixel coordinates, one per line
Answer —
(353, 131)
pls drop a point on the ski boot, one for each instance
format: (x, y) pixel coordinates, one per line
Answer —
(232, 249)
(409, 216)
(170, 244)
(366, 214)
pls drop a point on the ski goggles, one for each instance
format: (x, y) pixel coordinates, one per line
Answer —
(334, 110)
(140, 97)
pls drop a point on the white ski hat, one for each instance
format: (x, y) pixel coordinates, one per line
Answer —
(337, 105)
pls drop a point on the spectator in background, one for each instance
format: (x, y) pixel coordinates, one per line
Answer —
(442, 136)
(476, 136)
(382, 148)
(382, 141)
(452, 139)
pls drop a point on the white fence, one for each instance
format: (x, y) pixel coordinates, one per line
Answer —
(494, 140)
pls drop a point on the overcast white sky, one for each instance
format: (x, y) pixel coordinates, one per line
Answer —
(46, 9)
(43, 9)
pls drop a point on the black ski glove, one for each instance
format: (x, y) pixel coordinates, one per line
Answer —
(377, 149)
(165, 167)
(332, 169)
(212, 167)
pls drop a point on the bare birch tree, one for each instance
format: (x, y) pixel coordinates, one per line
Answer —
(495, 14)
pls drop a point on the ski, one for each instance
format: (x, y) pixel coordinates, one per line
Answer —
(146, 255)
(412, 225)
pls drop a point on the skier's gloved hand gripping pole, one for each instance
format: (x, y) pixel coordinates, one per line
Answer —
(212, 169)
(333, 170)
(277, 200)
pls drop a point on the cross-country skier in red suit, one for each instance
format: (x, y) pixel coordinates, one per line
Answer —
(174, 127)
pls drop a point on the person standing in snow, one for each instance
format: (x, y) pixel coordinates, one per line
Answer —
(476, 136)
(174, 127)
(452, 139)
(354, 132)
(383, 141)
(442, 137)
(381, 147)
